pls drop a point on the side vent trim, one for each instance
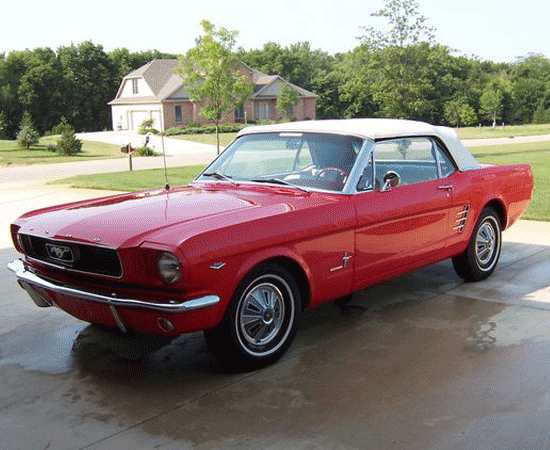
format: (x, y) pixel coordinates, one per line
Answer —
(461, 219)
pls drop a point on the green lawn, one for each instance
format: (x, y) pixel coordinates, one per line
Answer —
(500, 132)
(536, 154)
(225, 138)
(12, 154)
(133, 181)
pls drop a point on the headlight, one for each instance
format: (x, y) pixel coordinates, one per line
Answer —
(169, 267)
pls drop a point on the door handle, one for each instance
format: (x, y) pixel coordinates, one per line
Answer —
(446, 187)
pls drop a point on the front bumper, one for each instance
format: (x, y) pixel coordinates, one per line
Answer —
(45, 293)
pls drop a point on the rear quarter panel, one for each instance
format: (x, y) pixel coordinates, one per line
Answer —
(510, 186)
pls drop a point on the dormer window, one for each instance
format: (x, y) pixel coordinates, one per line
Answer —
(134, 86)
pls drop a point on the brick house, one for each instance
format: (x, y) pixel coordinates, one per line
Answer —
(154, 91)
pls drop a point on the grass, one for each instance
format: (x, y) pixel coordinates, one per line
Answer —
(12, 154)
(536, 154)
(225, 138)
(502, 132)
(132, 181)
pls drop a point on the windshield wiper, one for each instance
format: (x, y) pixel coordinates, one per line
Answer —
(278, 181)
(219, 176)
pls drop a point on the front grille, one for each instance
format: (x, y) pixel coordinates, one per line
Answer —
(81, 257)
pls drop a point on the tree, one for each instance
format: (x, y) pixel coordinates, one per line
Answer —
(541, 114)
(68, 144)
(452, 112)
(458, 112)
(407, 26)
(27, 135)
(210, 73)
(286, 101)
(491, 104)
(468, 115)
(406, 73)
(90, 82)
(3, 126)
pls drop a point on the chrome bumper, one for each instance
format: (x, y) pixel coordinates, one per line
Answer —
(26, 277)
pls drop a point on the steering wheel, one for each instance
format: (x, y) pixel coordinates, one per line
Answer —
(322, 174)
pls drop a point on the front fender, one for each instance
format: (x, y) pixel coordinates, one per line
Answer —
(222, 276)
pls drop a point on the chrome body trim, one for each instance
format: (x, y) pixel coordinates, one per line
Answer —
(173, 306)
(118, 320)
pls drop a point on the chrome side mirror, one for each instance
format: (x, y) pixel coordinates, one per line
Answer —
(391, 180)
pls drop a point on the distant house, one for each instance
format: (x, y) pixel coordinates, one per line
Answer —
(155, 92)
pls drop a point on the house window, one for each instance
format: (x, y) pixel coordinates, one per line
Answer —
(239, 114)
(179, 117)
(134, 85)
(262, 111)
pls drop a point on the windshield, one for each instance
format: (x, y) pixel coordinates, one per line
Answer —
(308, 160)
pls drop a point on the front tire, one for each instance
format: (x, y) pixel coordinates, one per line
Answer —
(481, 256)
(260, 322)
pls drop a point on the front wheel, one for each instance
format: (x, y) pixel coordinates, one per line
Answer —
(480, 258)
(260, 322)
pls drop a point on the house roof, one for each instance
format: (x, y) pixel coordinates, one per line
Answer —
(156, 73)
(377, 129)
(165, 84)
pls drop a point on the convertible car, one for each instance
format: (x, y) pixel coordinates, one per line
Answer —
(288, 217)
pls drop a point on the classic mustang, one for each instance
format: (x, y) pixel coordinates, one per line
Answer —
(289, 216)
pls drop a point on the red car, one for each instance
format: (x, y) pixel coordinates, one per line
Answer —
(288, 217)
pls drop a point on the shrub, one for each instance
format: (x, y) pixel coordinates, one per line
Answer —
(68, 144)
(145, 151)
(147, 127)
(27, 135)
(58, 129)
(207, 129)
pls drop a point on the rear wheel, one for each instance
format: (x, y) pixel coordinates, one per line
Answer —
(260, 322)
(480, 258)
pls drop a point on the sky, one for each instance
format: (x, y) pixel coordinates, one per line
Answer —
(501, 30)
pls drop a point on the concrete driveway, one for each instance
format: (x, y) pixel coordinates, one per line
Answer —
(421, 362)
(172, 146)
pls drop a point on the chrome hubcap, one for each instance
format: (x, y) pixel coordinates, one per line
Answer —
(262, 314)
(486, 243)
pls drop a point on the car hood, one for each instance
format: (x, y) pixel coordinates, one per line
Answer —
(130, 219)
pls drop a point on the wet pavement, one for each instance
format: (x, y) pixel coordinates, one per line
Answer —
(421, 362)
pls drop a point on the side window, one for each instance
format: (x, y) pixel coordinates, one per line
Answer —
(303, 159)
(413, 159)
(445, 163)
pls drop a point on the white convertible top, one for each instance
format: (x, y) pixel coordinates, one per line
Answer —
(377, 129)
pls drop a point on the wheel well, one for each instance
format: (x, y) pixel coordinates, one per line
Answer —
(500, 209)
(297, 271)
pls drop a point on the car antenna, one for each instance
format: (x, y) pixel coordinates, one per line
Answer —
(167, 185)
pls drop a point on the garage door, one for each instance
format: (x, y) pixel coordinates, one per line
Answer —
(137, 118)
(155, 115)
